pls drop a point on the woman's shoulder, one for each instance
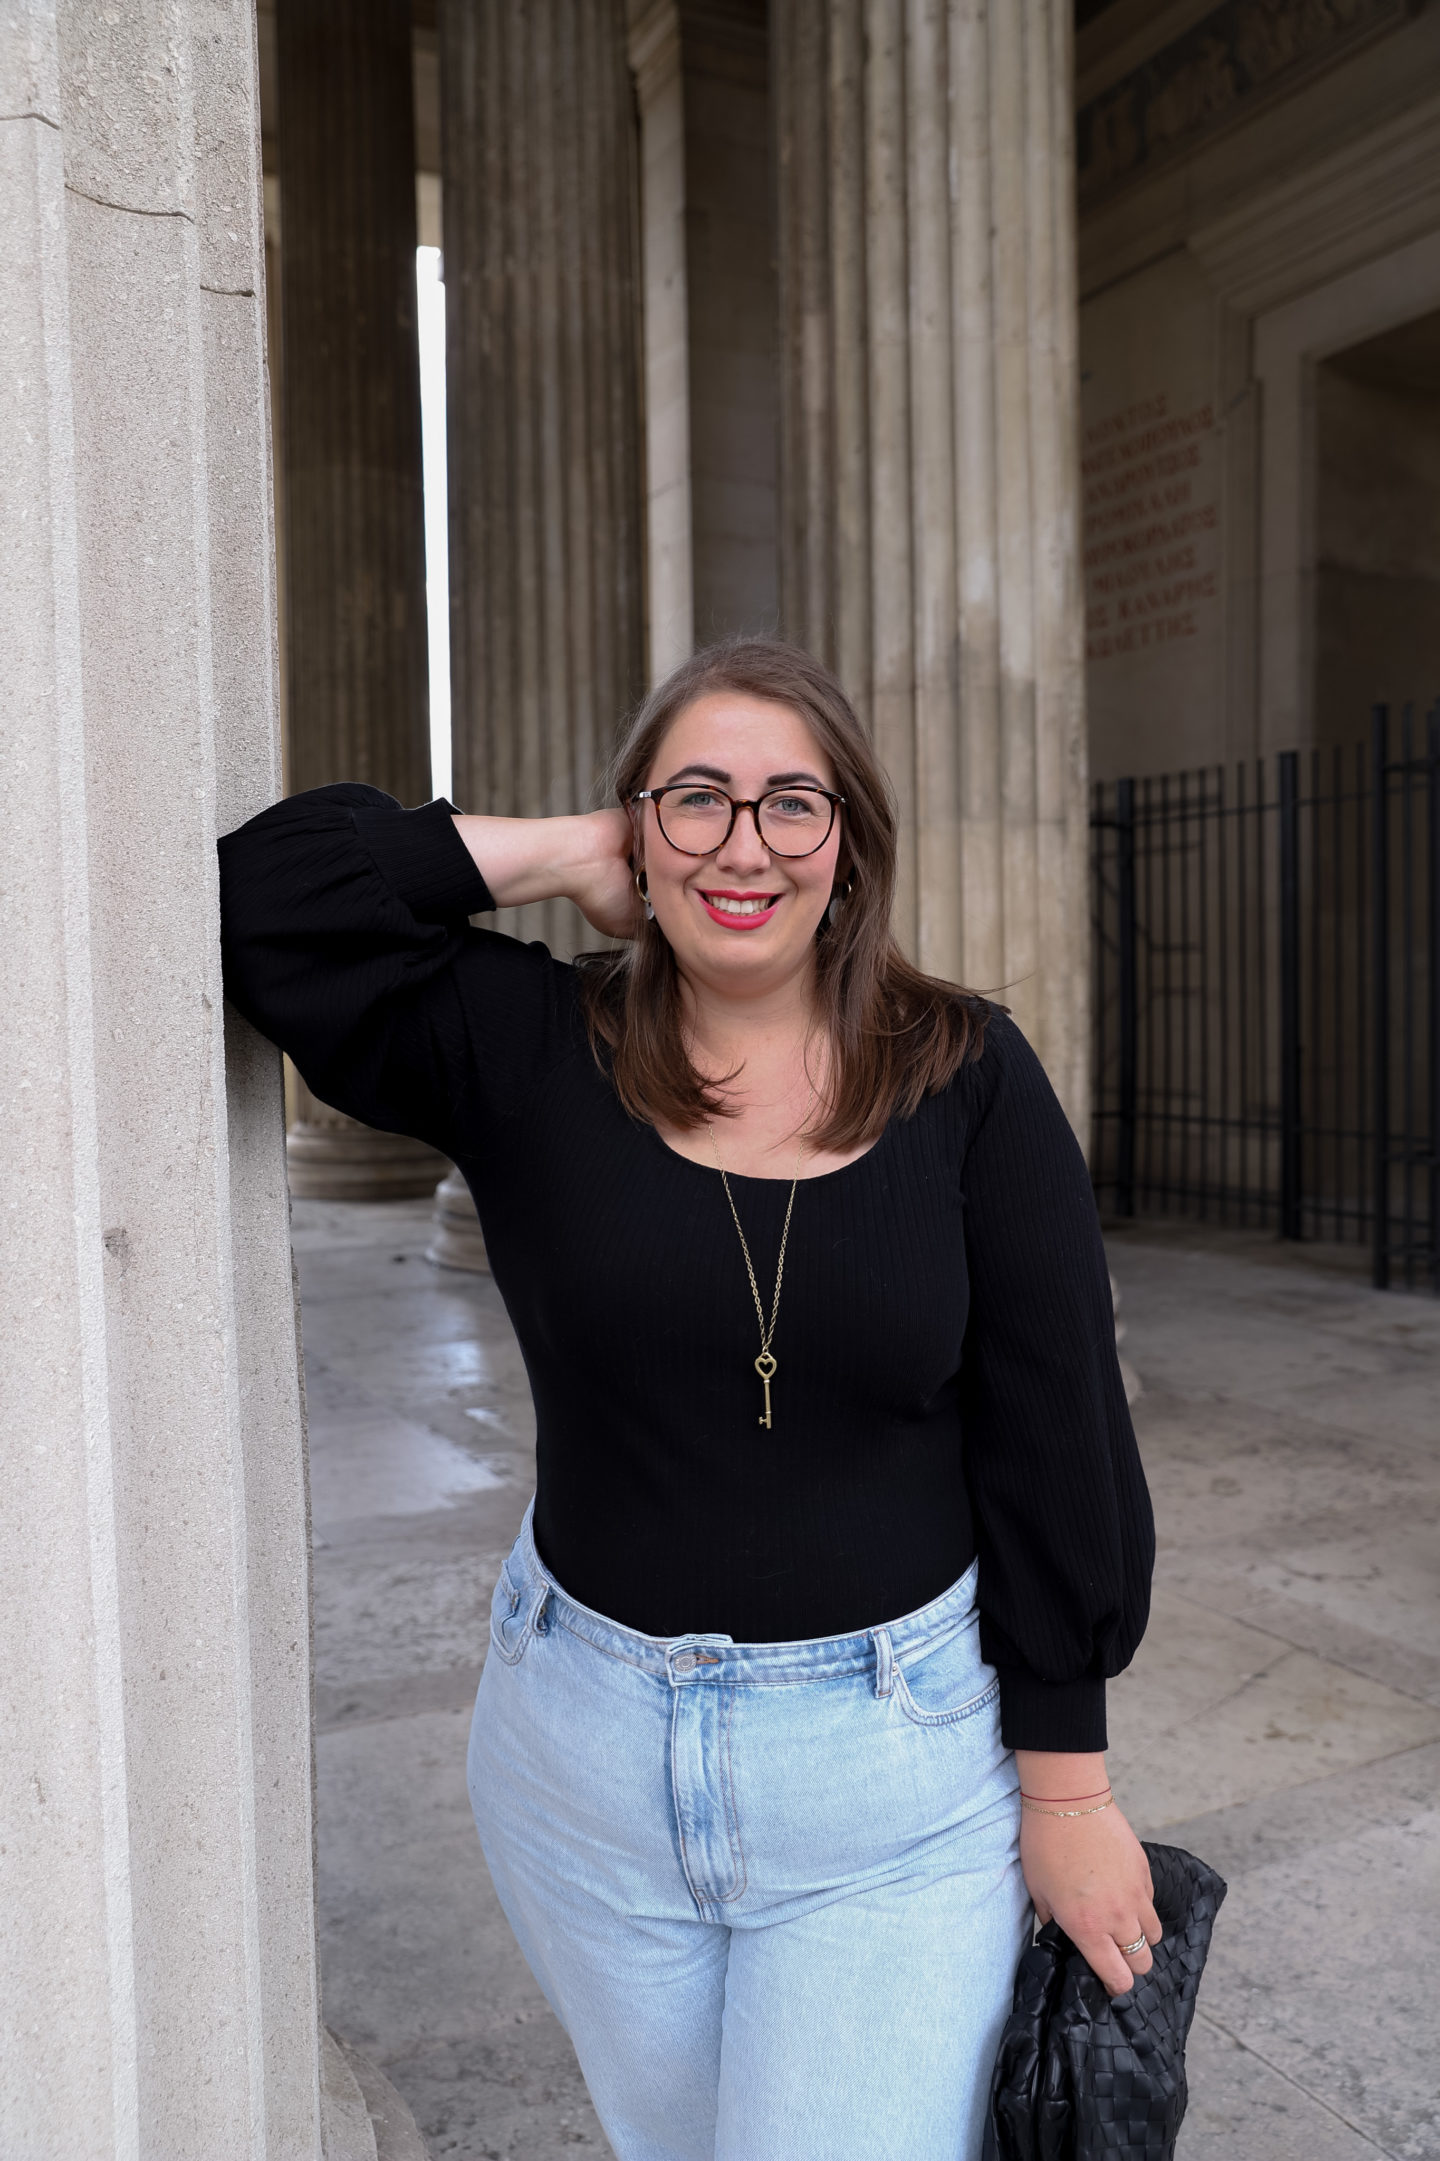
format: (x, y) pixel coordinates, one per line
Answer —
(996, 1043)
(1002, 1062)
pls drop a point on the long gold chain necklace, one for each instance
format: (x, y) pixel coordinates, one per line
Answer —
(766, 1365)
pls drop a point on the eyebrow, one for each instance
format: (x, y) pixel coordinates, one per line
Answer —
(722, 778)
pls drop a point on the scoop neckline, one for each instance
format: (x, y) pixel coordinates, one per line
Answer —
(747, 1178)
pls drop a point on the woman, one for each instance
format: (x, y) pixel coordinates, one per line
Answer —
(795, 1694)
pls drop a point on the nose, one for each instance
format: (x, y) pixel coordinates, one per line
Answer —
(744, 853)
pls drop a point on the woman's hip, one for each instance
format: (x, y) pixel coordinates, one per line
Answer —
(742, 1783)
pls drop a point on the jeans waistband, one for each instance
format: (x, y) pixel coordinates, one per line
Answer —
(720, 1658)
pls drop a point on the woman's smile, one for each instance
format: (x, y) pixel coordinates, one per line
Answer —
(738, 911)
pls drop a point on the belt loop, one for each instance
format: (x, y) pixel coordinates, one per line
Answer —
(537, 1614)
(884, 1661)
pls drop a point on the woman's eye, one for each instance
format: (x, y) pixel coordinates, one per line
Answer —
(697, 799)
(793, 806)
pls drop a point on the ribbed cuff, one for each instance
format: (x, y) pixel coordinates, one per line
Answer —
(424, 861)
(1065, 1716)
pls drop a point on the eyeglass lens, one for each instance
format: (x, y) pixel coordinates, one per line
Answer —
(793, 821)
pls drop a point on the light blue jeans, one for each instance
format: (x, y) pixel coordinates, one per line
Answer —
(772, 1891)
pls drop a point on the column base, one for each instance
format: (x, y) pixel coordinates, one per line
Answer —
(362, 2118)
(352, 1163)
(457, 1240)
(335, 1158)
(1128, 1374)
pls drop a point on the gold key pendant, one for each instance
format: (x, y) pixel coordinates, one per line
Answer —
(765, 1366)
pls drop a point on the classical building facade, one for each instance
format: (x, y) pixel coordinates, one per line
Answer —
(733, 346)
(759, 318)
(1259, 189)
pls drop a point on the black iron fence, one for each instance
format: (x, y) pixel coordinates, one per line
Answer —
(1267, 995)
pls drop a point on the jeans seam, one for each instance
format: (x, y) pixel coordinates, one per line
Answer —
(793, 1680)
(616, 1658)
(511, 1658)
(732, 1812)
(702, 1904)
(917, 1717)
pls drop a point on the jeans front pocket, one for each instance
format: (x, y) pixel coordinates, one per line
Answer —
(509, 1619)
(941, 1685)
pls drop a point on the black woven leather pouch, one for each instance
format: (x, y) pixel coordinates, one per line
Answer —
(1079, 2077)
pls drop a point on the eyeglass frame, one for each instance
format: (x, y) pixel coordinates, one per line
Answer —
(737, 804)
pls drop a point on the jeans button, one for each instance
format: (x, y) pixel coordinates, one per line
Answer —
(686, 1662)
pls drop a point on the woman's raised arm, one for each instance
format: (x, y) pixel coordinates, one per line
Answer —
(346, 937)
(585, 859)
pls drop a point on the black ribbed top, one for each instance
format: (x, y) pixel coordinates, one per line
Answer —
(947, 1377)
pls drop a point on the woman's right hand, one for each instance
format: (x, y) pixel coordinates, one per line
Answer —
(585, 859)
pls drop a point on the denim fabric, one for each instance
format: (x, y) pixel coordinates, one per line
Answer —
(772, 1891)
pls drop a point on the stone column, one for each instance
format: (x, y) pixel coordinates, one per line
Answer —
(357, 704)
(929, 529)
(158, 1987)
(701, 72)
(542, 379)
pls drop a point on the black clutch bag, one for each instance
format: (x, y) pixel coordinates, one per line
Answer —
(1077, 2076)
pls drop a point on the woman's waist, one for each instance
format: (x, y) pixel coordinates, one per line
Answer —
(650, 1611)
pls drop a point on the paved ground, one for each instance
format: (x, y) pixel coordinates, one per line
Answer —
(1282, 1719)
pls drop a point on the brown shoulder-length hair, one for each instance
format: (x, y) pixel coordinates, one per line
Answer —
(895, 1035)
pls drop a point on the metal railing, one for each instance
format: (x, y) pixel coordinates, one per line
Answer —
(1267, 995)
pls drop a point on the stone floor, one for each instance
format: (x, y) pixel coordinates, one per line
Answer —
(1282, 1718)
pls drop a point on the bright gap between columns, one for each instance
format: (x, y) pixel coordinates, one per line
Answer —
(430, 296)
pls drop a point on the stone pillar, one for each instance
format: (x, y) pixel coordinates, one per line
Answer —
(542, 381)
(456, 1239)
(655, 56)
(701, 71)
(158, 1987)
(929, 528)
(542, 377)
(356, 662)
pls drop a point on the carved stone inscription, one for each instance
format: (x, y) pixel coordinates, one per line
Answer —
(1234, 60)
(1150, 527)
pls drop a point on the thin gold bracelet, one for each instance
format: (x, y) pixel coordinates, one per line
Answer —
(1036, 1810)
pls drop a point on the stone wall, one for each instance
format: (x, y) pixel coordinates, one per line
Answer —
(1259, 192)
(1151, 498)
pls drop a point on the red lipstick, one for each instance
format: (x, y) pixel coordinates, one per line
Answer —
(729, 920)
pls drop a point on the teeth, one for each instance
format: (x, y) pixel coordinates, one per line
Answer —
(739, 907)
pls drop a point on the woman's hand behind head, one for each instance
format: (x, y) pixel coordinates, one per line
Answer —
(585, 859)
(602, 882)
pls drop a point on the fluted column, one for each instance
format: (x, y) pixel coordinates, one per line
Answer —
(929, 519)
(158, 1974)
(542, 370)
(357, 705)
(542, 381)
(707, 266)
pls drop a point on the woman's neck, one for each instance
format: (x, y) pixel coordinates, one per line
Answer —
(772, 1057)
(726, 1033)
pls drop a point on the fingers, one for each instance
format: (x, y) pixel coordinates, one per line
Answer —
(1117, 1967)
(1093, 1877)
(1103, 1955)
(1138, 1961)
